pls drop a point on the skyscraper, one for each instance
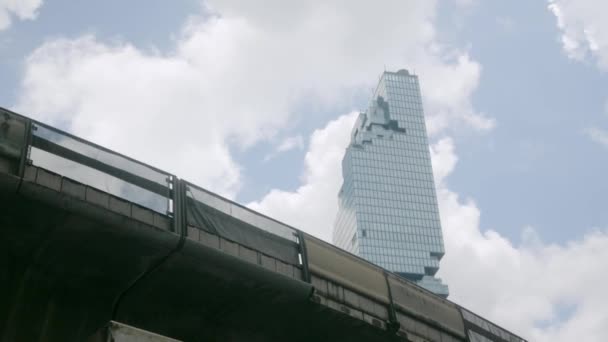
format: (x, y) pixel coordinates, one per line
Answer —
(388, 211)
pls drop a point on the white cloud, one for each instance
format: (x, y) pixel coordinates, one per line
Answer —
(448, 80)
(584, 30)
(523, 288)
(234, 78)
(22, 9)
(598, 135)
(584, 37)
(314, 204)
(526, 287)
(152, 107)
(288, 144)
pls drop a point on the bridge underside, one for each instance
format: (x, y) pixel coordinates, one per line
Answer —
(67, 268)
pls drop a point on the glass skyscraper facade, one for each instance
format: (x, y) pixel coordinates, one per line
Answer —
(388, 211)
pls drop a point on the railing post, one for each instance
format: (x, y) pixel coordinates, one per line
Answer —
(304, 254)
(25, 150)
(179, 206)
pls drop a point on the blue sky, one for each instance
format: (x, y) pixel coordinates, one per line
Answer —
(515, 96)
(538, 161)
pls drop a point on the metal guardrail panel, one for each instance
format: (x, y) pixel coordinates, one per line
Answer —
(410, 299)
(12, 133)
(241, 213)
(346, 269)
(13, 144)
(99, 153)
(98, 167)
(99, 180)
(217, 222)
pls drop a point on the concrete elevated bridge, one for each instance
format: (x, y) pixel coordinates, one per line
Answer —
(89, 236)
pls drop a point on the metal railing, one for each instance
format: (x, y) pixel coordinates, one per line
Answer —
(240, 212)
(98, 167)
(69, 156)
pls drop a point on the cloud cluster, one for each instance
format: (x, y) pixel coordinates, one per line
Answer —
(22, 9)
(598, 135)
(235, 77)
(584, 37)
(313, 205)
(584, 30)
(295, 142)
(544, 292)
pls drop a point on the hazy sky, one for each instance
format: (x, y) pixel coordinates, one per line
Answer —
(255, 100)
